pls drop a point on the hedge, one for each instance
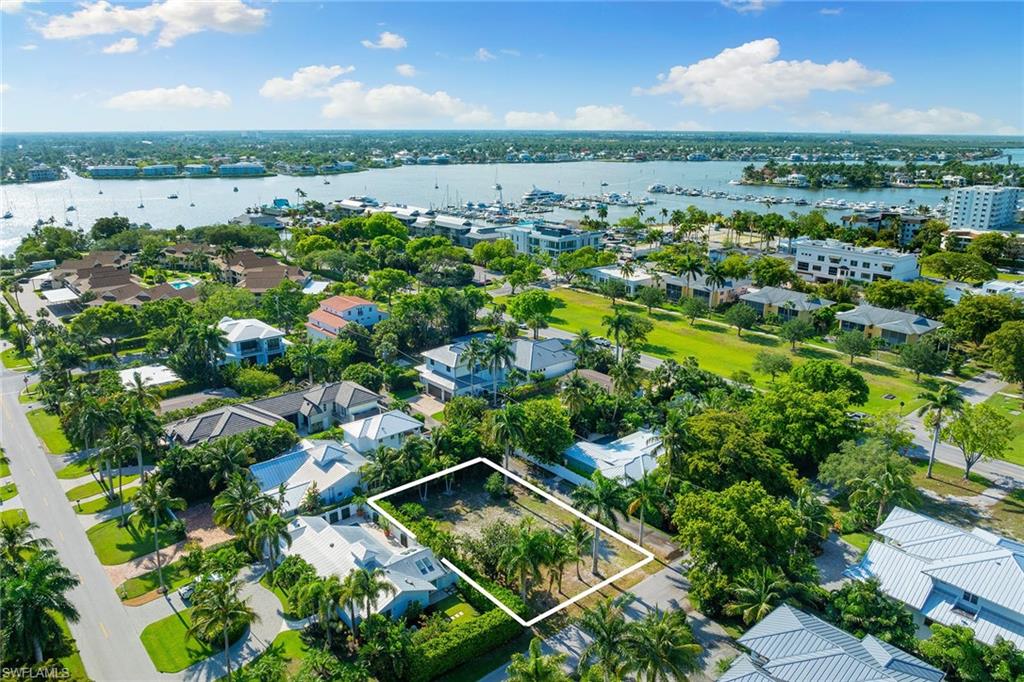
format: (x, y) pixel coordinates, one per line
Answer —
(461, 643)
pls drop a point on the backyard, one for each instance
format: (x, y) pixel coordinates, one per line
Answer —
(720, 350)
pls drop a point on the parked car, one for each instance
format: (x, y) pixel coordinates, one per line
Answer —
(186, 591)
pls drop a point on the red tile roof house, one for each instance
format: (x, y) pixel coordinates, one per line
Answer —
(335, 312)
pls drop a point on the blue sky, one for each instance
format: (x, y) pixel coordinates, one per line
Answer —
(771, 65)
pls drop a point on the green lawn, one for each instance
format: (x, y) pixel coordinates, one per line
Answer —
(169, 647)
(1006, 406)
(47, 428)
(13, 360)
(10, 516)
(1008, 515)
(719, 350)
(5, 468)
(8, 491)
(75, 469)
(948, 480)
(175, 576)
(858, 540)
(73, 660)
(290, 647)
(114, 545)
(29, 396)
(95, 487)
(104, 503)
(456, 609)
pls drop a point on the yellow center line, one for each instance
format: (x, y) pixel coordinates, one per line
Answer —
(103, 629)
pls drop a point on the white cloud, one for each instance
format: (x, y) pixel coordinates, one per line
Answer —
(175, 19)
(309, 81)
(4, 87)
(13, 6)
(386, 41)
(511, 53)
(181, 97)
(746, 6)
(588, 117)
(750, 76)
(484, 55)
(885, 118)
(28, 47)
(122, 46)
(407, 70)
(830, 11)
(399, 104)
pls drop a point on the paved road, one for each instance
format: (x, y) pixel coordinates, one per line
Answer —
(108, 650)
(666, 590)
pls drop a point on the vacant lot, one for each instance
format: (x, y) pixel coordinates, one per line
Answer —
(468, 509)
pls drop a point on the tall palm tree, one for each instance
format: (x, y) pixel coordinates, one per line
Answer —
(943, 402)
(661, 647)
(616, 325)
(153, 499)
(500, 355)
(141, 394)
(118, 447)
(32, 596)
(17, 542)
(536, 667)
(607, 628)
(217, 609)
(371, 585)
(524, 556)
(144, 426)
(691, 265)
(240, 500)
(308, 357)
(473, 356)
(208, 342)
(890, 486)
(626, 374)
(627, 269)
(323, 597)
(644, 497)
(715, 276)
(580, 535)
(575, 394)
(583, 345)
(813, 513)
(599, 501)
(508, 430)
(224, 458)
(559, 553)
(268, 532)
(755, 593)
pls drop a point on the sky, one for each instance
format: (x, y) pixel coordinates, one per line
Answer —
(744, 65)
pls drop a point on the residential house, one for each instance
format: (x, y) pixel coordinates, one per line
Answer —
(257, 273)
(677, 287)
(384, 430)
(340, 548)
(337, 311)
(311, 410)
(894, 327)
(789, 645)
(259, 220)
(251, 341)
(547, 357)
(331, 466)
(948, 575)
(626, 459)
(613, 273)
(785, 303)
(42, 173)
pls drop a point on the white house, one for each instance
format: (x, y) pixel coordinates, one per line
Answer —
(632, 282)
(149, 375)
(550, 357)
(830, 260)
(332, 466)
(337, 311)
(338, 549)
(251, 341)
(386, 430)
(631, 457)
(948, 575)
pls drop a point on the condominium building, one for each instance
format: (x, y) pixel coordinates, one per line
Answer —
(983, 207)
(107, 171)
(159, 170)
(551, 240)
(830, 260)
(198, 169)
(242, 168)
(42, 173)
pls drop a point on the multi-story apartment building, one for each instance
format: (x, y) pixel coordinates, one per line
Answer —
(159, 170)
(983, 207)
(108, 171)
(551, 240)
(42, 173)
(198, 169)
(829, 260)
(242, 168)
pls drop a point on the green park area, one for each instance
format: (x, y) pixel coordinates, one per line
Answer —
(47, 428)
(115, 544)
(7, 491)
(718, 348)
(1013, 410)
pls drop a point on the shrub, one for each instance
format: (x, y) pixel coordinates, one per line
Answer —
(461, 643)
(293, 571)
(364, 374)
(413, 511)
(495, 485)
(252, 382)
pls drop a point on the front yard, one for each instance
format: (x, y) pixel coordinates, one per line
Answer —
(48, 429)
(171, 649)
(116, 545)
(12, 359)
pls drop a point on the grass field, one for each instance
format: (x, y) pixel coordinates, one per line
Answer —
(169, 647)
(13, 360)
(75, 469)
(95, 487)
(719, 350)
(47, 428)
(104, 503)
(72, 661)
(8, 491)
(5, 468)
(948, 480)
(115, 545)
(175, 576)
(10, 516)
(1007, 406)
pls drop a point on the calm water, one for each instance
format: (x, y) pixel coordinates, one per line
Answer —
(216, 202)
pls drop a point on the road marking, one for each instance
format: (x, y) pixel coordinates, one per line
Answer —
(46, 501)
(103, 629)
(61, 534)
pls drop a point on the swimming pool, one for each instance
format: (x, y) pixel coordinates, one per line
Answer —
(180, 285)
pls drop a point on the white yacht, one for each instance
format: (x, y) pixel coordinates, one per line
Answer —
(535, 196)
(658, 188)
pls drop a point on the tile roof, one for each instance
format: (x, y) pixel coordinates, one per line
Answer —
(224, 421)
(343, 303)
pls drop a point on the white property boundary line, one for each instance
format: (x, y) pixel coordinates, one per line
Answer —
(648, 556)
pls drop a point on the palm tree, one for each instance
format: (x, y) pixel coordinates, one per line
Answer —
(616, 325)
(536, 667)
(691, 265)
(813, 513)
(575, 394)
(756, 593)
(661, 646)
(608, 631)
(32, 596)
(947, 400)
(269, 531)
(580, 535)
(473, 356)
(600, 502)
(507, 430)
(153, 499)
(119, 446)
(217, 609)
(371, 585)
(524, 556)
(308, 357)
(224, 457)
(17, 541)
(560, 552)
(891, 485)
(500, 354)
(644, 497)
(626, 374)
(141, 394)
(207, 342)
(627, 269)
(323, 597)
(239, 502)
(715, 276)
(144, 426)
(583, 345)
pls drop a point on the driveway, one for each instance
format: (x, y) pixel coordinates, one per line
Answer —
(836, 556)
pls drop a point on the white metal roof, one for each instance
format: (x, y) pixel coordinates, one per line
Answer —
(151, 375)
(324, 462)
(384, 425)
(629, 457)
(247, 329)
(59, 295)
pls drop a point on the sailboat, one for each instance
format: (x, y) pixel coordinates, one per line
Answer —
(326, 181)
(435, 181)
(235, 189)
(141, 205)
(190, 202)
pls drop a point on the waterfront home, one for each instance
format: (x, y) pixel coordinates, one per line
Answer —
(792, 646)
(159, 170)
(830, 260)
(251, 341)
(677, 287)
(626, 459)
(613, 273)
(948, 575)
(338, 167)
(242, 168)
(551, 240)
(258, 220)
(384, 430)
(337, 311)
(311, 410)
(785, 303)
(42, 173)
(894, 327)
(113, 171)
(445, 374)
(331, 466)
(339, 548)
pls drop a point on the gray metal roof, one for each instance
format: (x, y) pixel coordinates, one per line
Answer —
(786, 298)
(893, 320)
(792, 646)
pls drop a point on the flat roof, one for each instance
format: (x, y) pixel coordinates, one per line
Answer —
(151, 375)
(60, 295)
